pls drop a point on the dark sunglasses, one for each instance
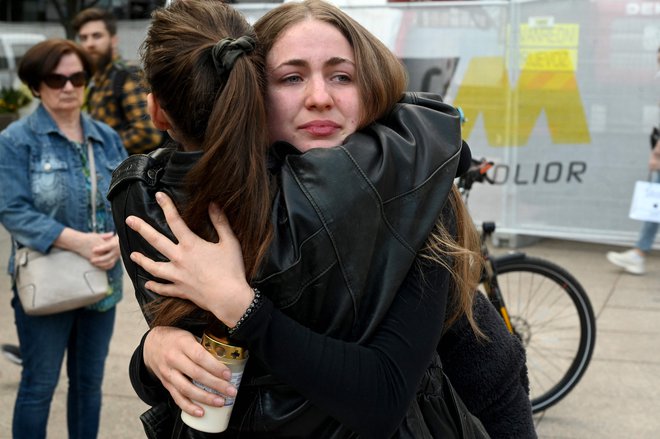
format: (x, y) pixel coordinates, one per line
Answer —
(55, 80)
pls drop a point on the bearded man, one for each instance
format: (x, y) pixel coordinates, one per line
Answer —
(115, 95)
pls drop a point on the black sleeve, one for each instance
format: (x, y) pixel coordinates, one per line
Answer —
(489, 375)
(366, 387)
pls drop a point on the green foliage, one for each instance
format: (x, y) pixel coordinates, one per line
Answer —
(11, 99)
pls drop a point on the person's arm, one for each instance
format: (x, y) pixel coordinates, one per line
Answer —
(17, 212)
(137, 132)
(366, 387)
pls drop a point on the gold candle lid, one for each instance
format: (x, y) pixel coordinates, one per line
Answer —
(220, 347)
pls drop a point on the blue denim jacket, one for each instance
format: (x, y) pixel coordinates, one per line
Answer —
(43, 189)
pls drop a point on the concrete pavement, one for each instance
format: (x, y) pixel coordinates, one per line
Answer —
(619, 396)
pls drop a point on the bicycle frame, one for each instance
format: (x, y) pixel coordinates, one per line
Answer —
(489, 277)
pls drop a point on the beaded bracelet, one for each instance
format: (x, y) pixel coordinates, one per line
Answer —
(254, 305)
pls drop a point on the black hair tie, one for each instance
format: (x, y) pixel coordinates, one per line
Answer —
(227, 50)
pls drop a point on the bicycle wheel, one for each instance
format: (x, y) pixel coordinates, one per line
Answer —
(552, 315)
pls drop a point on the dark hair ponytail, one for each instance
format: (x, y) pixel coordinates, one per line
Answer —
(220, 111)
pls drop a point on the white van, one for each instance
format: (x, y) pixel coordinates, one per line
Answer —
(12, 48)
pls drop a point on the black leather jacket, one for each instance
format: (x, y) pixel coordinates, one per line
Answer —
(359, 213)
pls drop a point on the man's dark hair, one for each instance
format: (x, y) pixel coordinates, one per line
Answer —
(95, 14)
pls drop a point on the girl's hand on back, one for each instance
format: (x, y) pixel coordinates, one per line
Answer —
(212, 275)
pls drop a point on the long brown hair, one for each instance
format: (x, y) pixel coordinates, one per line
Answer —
(222, 114)
(465, 253)
(381, 80)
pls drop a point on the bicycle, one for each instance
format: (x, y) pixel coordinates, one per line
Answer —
(543, 305)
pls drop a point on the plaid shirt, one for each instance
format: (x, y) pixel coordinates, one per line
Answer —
(126, 113)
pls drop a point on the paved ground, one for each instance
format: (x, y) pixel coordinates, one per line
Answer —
(618, 397)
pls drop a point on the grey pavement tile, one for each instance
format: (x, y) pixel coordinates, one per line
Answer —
(630, 319)
(132, 324)
(613, 400)
(629, 346)
(116, 381)
(617, 381)
(643, 296)
(651, 280)
(128, 412)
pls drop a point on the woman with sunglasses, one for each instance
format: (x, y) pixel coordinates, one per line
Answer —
(45, 204)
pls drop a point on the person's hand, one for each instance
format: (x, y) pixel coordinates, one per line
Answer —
(212, 275)
(100, 249)
(105, 254)
(174, 356)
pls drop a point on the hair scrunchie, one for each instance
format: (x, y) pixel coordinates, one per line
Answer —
(227, 50)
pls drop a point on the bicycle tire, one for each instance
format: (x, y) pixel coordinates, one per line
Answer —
(546, 305)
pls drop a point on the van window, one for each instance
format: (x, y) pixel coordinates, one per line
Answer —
(13, 47)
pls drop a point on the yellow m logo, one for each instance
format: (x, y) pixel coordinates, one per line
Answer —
(509, 115)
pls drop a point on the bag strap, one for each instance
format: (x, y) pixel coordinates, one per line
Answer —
(92, 179)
